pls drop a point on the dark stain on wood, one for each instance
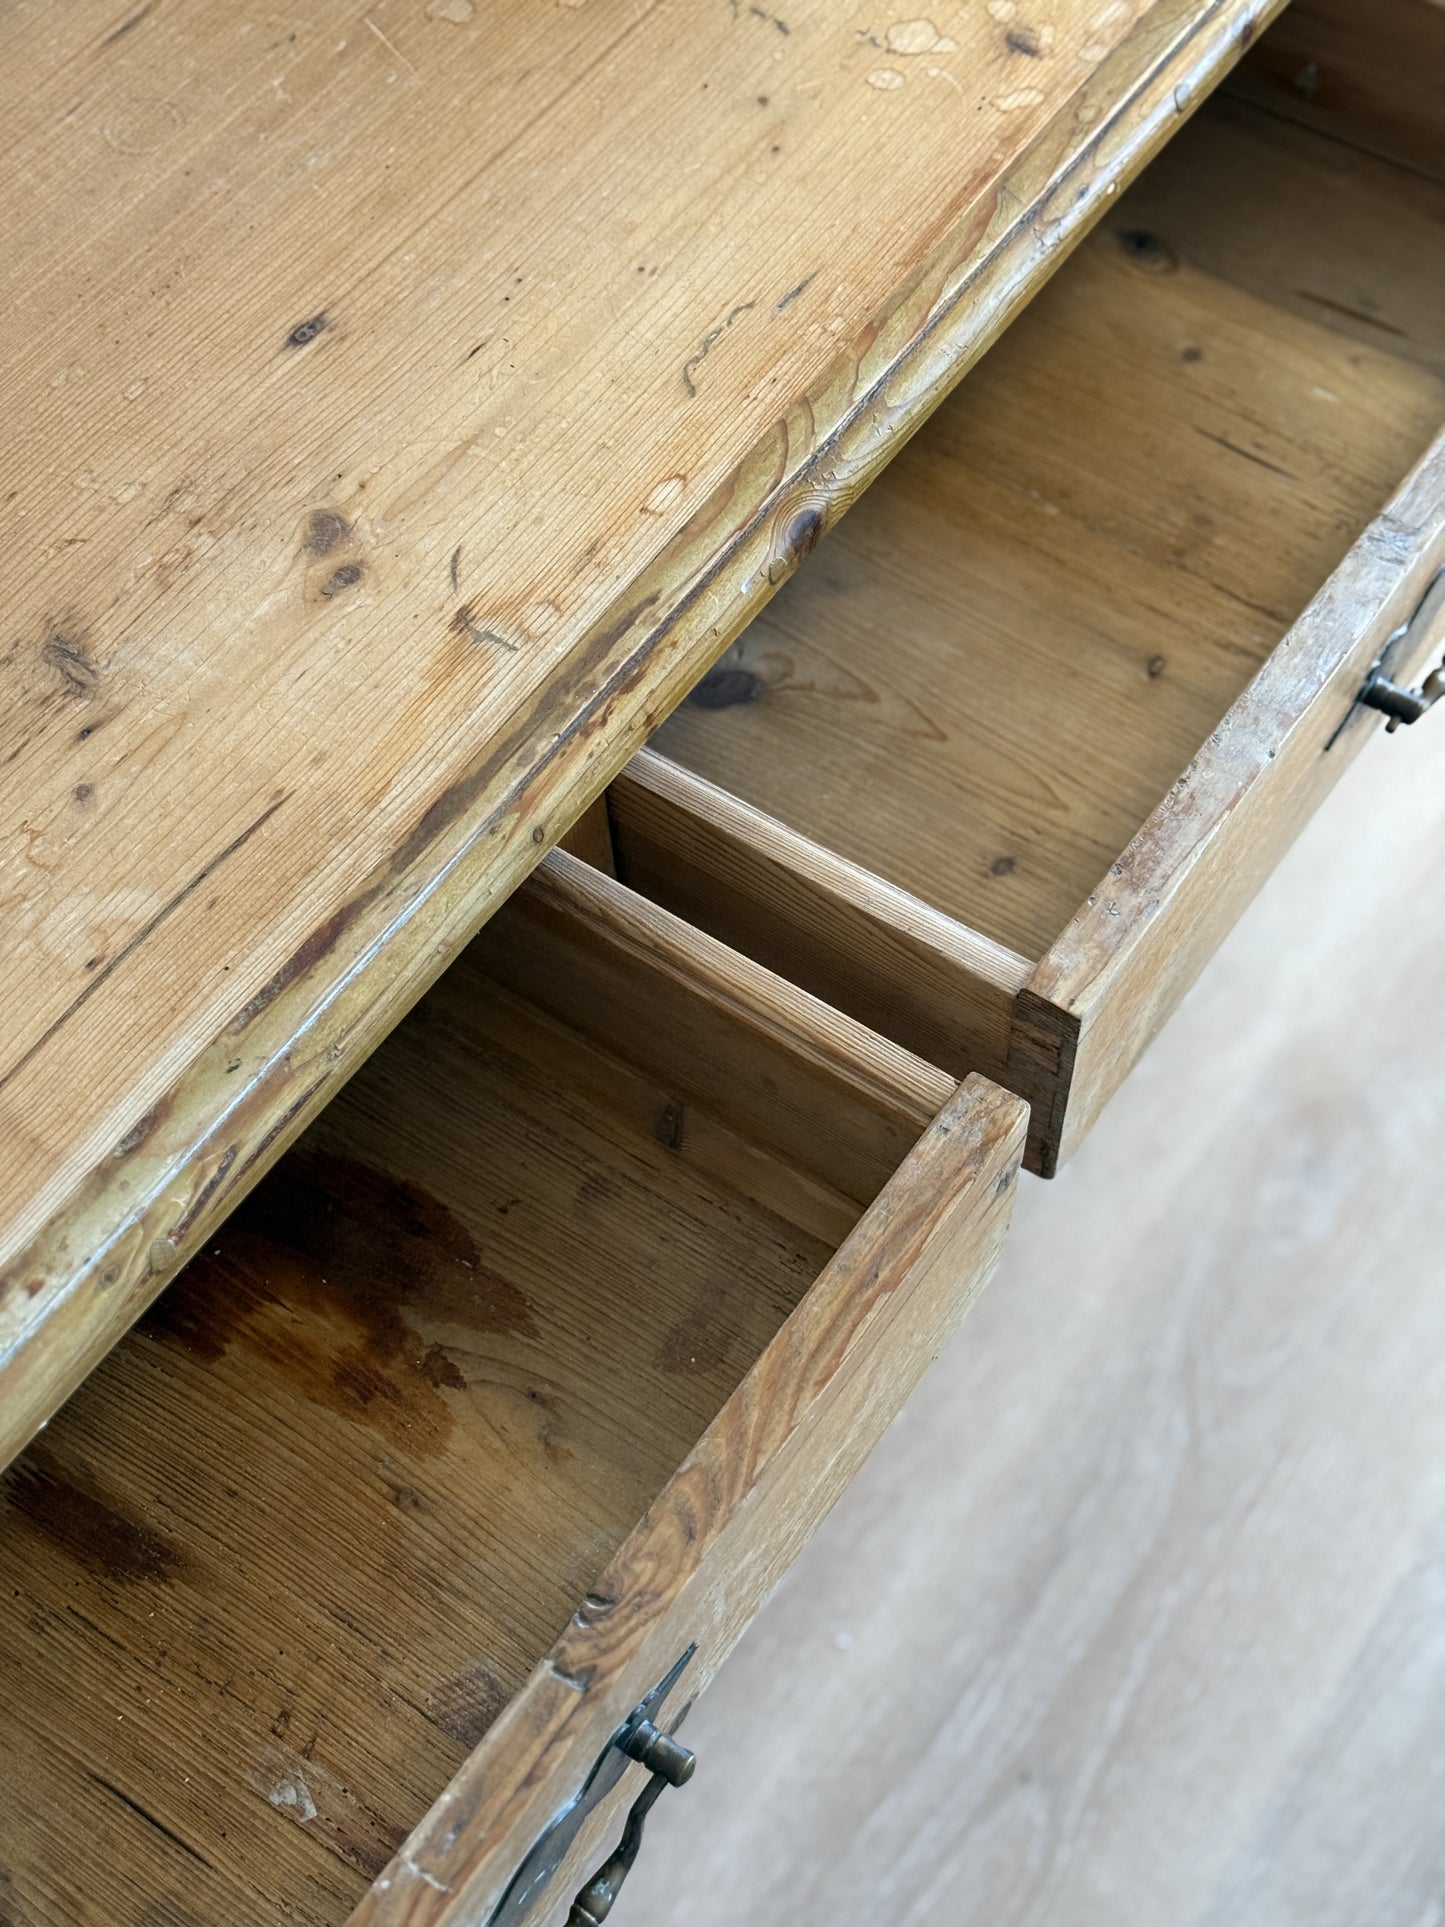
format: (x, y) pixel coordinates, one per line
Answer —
(306, 331)
(454, 801)
(700, 1342)
(136, 1136)
(466, 1705)
(326, 529)
(464, 623)
(722, 688)
(455, 569)
(1145, 250)
(71, 661)
(321, 941)
(458, 796)
(667, 1126)
(177, 1233)
(293, 1110)
(84, 792)
(709, 342)
(12, 1287)
(69, 1508)
(1019, 40)
(128, 26)
(791, 296)
(801, 534)
(346, 577)
(438, 1369)
(326, 1271)
(1002, 866)
(1156, 667)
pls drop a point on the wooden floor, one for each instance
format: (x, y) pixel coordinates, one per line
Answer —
(1137, 1617)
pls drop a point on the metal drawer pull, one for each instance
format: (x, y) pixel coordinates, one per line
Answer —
(1403, 705)
(638, 1738)
(1409, 705)
(671, 1765)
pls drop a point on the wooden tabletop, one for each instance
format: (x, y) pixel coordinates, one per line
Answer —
(403, 407)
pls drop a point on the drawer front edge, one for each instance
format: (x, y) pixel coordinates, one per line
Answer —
(1127, 958)
(732, 1519)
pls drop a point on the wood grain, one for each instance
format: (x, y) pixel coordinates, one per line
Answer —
(993, 672)
(1343, 237)
(1364, 77)
(297, 1544)
(727, 1527)
(896, 962)
(414, 474)
(1086, 578)
(1119, 968)
(780, 1069)
(590, 838)
(1135, 1617)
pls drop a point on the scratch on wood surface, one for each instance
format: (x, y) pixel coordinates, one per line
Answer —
(1245, 454)
(759, 13)
(146, 930)
(391, 46)
(709, 342)
(421, 1873)
(464, 623)
(128, 26)
(575, 1682)
(791, 296)
(150, 1819)
(69, 659)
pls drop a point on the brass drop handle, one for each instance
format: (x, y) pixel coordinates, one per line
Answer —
(1409, 705)
(671, 1765)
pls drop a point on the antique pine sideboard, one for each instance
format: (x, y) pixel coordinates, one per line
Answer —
(576, 1149)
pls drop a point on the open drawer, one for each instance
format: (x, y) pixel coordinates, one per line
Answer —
(999, 767)
(500, 1403)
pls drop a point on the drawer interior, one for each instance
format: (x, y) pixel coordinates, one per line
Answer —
(987, 678)
(289, 1552)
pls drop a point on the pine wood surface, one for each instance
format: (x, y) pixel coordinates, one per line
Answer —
(1084, 718)
(774, 1462)
(404, 410)
(295, 1546)
(1360, 249)
(891, 959)
(331, 1530)
(1024, 633)
(1375, 67)
(1135, 1616)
